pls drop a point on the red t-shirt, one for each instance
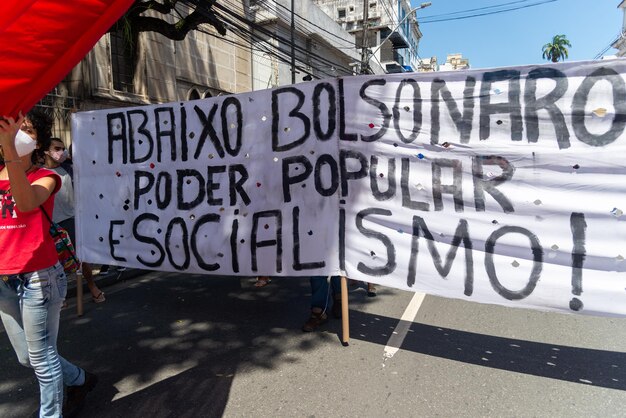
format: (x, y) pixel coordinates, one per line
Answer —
(25, 241)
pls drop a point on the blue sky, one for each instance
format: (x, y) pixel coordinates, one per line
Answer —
(516, 37)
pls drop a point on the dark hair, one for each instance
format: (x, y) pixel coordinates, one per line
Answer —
(45, 144)
(42, 123)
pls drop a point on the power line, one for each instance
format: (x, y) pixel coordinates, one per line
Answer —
(477, 9)
(609, 46)
(425, 20)
(274, 36)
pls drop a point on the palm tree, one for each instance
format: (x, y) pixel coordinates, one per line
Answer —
(556, 50)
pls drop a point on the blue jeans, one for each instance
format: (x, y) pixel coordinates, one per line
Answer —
(30, 307)
(320, 295)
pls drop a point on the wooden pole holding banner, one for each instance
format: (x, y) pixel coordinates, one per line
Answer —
(79, 293)
(345, 322)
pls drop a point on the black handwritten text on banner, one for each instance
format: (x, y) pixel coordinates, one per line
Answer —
(503, 186)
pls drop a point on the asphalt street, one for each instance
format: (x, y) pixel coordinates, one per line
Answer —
(171, 345)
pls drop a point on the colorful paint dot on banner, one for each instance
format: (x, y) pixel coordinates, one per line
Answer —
(242, 241)
(395, 145)
(236, 211)
(539, 218)
(575, 166)
(275, 159)
(93, 162)
(555, 247)
(151, 165)
(222, 209)
(287, 129)
(600, 112)
(247, 155)
(101, 196)
(515, 263)
(266, 226)
(312, 152)
(371, 125)
(232, 126)
(372, 253)
(537, 202)
(494, 222)
(220, 255)
(407, 108)
(263, 118)
(497, 91)
(617, 212)
(619, 258)
(446, 145)
(192, 216)
(419, 186)
(400, 231)
(192, 135)
(93, 133)
(258, 184)
(310, 232)
(499, 122)
(250, 99)
(420, 156)
(118, 174)
(381, 175)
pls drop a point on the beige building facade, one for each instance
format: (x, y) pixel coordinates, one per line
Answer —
(152, 69)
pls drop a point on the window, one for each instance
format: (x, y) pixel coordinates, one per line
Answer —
(193, 94)
(123, 61)
(341, 13)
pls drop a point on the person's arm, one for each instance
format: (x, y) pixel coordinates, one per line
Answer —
(27, 196)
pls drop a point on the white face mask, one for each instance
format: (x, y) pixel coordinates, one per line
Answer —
(24, 144)
(58, 156)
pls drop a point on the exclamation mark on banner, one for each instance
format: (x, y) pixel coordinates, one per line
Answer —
(579, 227)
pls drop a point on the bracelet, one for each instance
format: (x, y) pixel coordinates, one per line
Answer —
(12, 161)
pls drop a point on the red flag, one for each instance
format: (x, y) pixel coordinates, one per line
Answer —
(42, 40)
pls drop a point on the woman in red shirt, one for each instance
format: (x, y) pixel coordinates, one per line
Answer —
(33, 284)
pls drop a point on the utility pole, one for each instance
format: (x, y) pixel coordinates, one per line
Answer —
(365, 59)
(293, 44)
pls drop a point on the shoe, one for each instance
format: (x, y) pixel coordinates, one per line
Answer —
(262, 281)
(98, 299)
(336, 310)
(315, 321)
(76, 395)
(371, 290)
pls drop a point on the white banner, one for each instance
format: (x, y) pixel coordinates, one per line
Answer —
(502, 186)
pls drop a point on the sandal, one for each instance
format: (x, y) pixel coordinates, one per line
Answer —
(371, 290)
(262, 281)
(98, 299)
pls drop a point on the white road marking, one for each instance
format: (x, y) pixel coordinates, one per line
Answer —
(399, 333)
